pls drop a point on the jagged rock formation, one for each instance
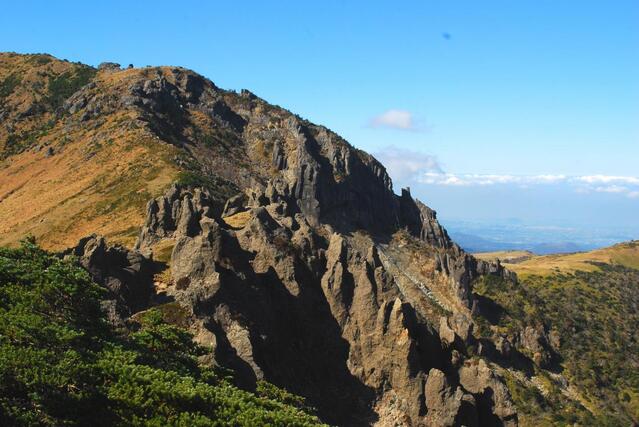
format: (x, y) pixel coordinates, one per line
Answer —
(291, 255)
(127, 275)
(293, 300)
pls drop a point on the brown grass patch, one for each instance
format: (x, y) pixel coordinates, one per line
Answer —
(238, 220)
(504, 256)
(61, 198)
(625, 254)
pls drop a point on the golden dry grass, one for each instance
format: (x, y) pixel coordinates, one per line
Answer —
(163, 250)
(626, 254)
(101, 175)
(103, 171)
(61, 198)
(238, 220)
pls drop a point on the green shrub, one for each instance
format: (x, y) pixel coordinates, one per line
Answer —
(595, 315)
(8, 85)
(61, 363)
(66, 84)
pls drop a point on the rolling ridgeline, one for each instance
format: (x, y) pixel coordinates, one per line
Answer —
(267, 269)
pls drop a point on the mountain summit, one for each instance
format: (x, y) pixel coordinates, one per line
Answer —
(285, 249)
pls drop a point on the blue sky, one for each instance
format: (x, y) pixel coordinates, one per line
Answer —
(525, 109)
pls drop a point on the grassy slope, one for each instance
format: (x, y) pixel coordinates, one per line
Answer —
(101, 173)
(68, 195)
(106, 166)
(592, 300)
(504, 256)
(624, 254)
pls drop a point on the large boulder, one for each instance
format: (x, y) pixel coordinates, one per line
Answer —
(494, 404)
(126, 274)
(448, 406)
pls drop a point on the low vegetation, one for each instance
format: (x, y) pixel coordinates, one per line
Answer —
(8, 85)
(62, 86)
(61, 363)
(596, 315)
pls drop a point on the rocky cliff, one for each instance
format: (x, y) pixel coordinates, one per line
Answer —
(286, 247)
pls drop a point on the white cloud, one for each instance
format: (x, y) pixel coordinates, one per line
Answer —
(488, 179)
(608, 179)
(407, 164)
(396, 119)
(613, 184)
(612, 189)
(550, 178)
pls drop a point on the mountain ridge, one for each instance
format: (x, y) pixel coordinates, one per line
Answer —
(286, 249)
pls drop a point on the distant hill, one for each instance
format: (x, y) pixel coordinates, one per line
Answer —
(622, 254)
(510, 257)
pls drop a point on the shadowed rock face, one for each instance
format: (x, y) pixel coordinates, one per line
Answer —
(299, 264)
(312, 307)
(127, 275)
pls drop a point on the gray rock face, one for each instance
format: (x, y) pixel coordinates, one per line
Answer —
(448, 406)
(463, 269)
(176, 214)
(126, 274)
(534, 340)
(109, 66)
(494, 404)
(235, 204)
(456, 331)
(283, 299)
(421, 221)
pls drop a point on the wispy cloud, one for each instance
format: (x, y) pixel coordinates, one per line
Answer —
(407, 164)
(395, 119)
(609, 179)
(488, 179)
(613, 184)
(612, 189)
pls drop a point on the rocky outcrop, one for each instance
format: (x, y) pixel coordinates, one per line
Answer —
(494, 405)
(456, 330)
(448, 406)
(282, 297)
(282, 250)
(127, 275)
(535, 342)
(175, 214)
(422, 222)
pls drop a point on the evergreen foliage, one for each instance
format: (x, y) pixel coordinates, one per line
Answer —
(61, 363)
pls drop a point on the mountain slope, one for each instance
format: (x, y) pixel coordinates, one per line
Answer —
(590, 301)
(623, 254)
(63, 175)
(285, 249)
